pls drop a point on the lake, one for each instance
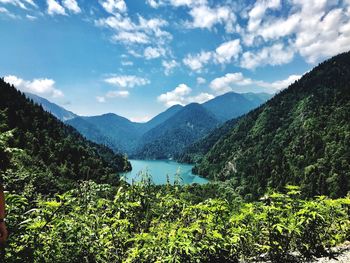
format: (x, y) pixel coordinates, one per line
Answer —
(159, 169)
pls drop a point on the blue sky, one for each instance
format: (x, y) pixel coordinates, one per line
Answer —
(135, 58)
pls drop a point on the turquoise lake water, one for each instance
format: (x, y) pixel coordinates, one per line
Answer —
(159, 169)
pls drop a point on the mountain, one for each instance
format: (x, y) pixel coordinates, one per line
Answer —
(301, 136)
(117, 132)
(160, 118)
(189, 124)
(57, 111)
(194, 152)
(232, 105)
(45, 152)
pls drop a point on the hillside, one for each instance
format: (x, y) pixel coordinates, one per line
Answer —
(172, 136)
(232, 105)
(57, 111)
(118, 133)
(194, 152)
(161, 117)
(48, 153)
(301, 136)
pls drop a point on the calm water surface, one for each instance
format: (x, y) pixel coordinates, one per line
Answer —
(159, 169)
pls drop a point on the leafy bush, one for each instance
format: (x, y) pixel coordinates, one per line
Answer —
(147, 223)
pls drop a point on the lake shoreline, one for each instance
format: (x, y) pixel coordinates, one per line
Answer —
(162, 172)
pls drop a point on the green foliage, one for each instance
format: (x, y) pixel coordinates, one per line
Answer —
(301, 136)
(147, 223)
(41, 154)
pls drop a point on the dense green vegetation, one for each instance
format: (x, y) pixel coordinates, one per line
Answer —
(46, 155)
(194, 152)
(301, 136)
(145, 223)
(232, 105)
(164, 141)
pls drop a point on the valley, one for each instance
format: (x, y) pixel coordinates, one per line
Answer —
(167, 134)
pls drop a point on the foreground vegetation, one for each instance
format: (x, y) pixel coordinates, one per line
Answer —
(147, 223)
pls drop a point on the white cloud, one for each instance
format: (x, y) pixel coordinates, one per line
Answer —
(101, 99)
(118, 94)
(19, 3)
(112, 95)
(228, 51)
(114, 6)
(276, 54)
(4, 11)
(72, 6)
(200, 98)
(154, 3)
(316, 29)
(128, 32)
(176, 96)
(223, 54)
(31, 18)
(127, 81)
(188, 3)
(140, 118)
(54, 8)
(279, 84)
(257, 13)
(206, 17)
(180, 95)
(235, 81)
(198, 61)
(176, 3)
(201, 81)
(42, 86)
(169, 66)
(131, 37)
(154, 52)
(127, 63)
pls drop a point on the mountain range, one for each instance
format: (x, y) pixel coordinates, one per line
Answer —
(165, 135)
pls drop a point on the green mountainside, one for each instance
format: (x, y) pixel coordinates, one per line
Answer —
(194, 152)
(232, 105)
(45, 152)
(301, 136)
(172, 136)
(118, 133)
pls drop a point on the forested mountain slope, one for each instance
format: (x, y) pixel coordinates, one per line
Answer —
(118, 133)
(301, 136)
(232, 105)
(194, 152)
(45, 151)
(172, 136)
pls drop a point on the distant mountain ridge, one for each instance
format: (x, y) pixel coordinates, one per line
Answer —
(57, 111)
(155, 138)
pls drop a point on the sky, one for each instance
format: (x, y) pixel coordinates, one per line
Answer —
(136, 58)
